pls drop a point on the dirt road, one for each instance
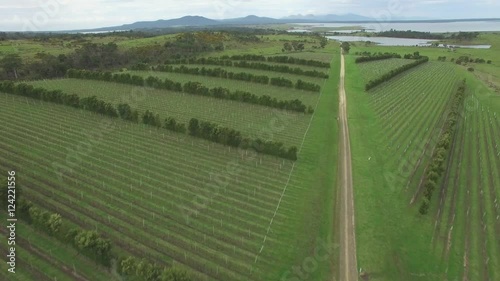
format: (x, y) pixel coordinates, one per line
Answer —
(348, 263)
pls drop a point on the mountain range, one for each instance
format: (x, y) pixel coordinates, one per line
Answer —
(199, 21)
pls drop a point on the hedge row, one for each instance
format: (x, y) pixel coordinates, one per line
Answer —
(387, 76)
(279, 59)
(216, 133)
(205, 130)
(377, 57)
(435, 169)
(143, 270)
(194, 88)
(242, 76)
(242, 64)
(57, 96)
(86, 242)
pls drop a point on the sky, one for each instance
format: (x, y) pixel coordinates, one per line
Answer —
(50, 15)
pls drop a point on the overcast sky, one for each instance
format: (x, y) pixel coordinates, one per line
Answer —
(22, 15)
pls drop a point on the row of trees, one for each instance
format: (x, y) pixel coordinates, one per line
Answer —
(242, 64)
(410, 34)
(466, 59)
(170, 123)
(214, 72)
(281, 68)
(143, 270)
(385, 77)
(248, 77)
(88, 243)
(377, 57)
(194, 88)
(415, 56)
(213, 132)
(435, 168)
(279, 59)
(58, 97)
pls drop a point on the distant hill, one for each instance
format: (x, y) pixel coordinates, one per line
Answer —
(251, 20)
(198, 21)
(184, 21)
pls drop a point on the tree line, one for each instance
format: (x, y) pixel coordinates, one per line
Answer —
(213, 132)
(90, 243)
(410, 34)
(387, 76)
(466, 59)
(242, 64)
(58, 97)
(279, 59)
(194, 88)
(242, 76)
(435, 168)
(142, 270)
(205, 130)
(377, 57)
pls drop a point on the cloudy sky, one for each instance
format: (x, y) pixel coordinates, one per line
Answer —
(19, 15)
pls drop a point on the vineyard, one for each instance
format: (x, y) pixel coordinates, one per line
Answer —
(374, 69)
(249, 119)
(406, 116)
(222, 213)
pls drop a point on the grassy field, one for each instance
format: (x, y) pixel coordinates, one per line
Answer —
(253, 207)
(403, 118)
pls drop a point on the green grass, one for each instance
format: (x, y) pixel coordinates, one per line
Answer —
(374, 69)
(247, 118)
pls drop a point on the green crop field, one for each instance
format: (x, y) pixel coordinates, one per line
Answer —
(220, 212)
(307, 97)
(247, 118)
(403, 117)
(374, 69)
(107, 193)
(270, 74)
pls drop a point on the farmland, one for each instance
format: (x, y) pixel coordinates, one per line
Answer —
(248, 154)
(249, 119)
(221, 213)
(404, 116)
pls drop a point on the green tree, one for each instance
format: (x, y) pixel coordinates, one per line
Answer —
(287, 47)
(323, 41)
(11, 63)
(194, 127)
(346, 46)
(175, 274)
(54, 223)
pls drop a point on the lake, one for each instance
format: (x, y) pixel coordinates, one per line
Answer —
(390, 41)
(417, 26)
